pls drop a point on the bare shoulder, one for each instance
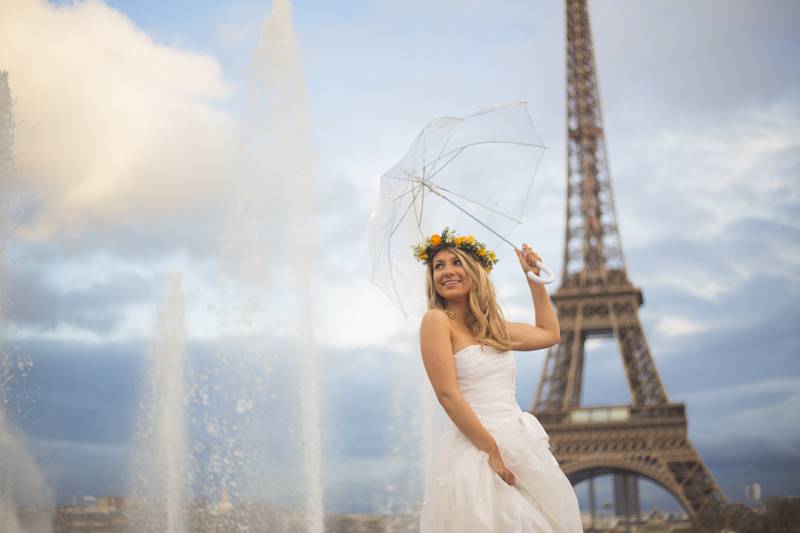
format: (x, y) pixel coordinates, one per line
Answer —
(435, 317)
(435, 323)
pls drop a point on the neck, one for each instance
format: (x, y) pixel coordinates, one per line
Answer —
(460, 311)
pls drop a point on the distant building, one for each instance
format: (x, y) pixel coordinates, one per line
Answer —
(112, 514)
(647, 522)
(106, 514)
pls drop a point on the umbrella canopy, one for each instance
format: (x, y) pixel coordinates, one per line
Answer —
(459, 172)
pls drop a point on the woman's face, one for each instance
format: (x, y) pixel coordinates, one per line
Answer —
(450, 279)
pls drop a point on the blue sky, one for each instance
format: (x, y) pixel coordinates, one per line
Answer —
(128, 115)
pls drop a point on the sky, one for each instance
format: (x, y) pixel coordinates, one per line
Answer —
(129, 118)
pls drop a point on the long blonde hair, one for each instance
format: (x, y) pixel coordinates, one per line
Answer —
(486, 319)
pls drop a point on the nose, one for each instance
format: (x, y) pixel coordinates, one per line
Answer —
(447, 270)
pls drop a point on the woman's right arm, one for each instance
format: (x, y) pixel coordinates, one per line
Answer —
(437, 355)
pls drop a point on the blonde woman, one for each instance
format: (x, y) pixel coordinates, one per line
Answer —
(493, 470)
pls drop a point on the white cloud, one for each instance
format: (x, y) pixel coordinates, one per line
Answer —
(702, 178)
(678, 326)
(111, 126)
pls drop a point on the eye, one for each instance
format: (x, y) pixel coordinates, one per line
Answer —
(438, 266)
(457, 262)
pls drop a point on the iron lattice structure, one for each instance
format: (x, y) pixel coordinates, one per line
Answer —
(649, 436)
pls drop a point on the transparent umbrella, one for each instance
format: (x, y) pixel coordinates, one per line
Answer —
(459, 172)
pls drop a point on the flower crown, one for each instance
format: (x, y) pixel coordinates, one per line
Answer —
(425, 250)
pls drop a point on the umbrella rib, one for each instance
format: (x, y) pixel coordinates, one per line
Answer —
(418, 212)
(398, 198)
(455, 153)
(476, 219)
(496, 212)
(405, 213)
(397, 178)
(442, 152)
(391, 274)
(518, 143)
(389, 246)
(462, 148)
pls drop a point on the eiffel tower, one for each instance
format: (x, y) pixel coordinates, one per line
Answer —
(648, 437)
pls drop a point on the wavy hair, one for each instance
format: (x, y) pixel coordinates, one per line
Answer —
(486, 319)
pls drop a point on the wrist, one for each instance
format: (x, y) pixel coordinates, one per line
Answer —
(535, 287)
(491, 448)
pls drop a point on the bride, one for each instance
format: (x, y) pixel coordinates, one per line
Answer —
(493, 470)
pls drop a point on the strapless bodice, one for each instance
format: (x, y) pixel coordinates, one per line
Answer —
(487, 380)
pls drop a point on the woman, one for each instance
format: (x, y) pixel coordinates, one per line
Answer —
(493, 470)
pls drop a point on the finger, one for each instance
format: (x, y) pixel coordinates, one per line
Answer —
(522, 261)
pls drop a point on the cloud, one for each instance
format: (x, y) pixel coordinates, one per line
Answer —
(112, 128)
(672, 63)
(703, 178)
(676, 326)
(38, 305)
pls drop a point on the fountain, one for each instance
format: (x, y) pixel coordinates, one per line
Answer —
(25, 501)
(278, 103)
(236, 450)
(277, 163)
(161, 480)
(24, 496)
(413, 426)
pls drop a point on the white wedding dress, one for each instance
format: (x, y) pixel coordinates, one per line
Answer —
(463, 494)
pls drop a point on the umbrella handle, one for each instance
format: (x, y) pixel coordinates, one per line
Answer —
(542, 280)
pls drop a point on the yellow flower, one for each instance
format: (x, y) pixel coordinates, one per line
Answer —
(482, 252)
(459, 240)
(436, 240)
(470, 239)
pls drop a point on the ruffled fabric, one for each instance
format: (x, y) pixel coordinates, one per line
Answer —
(464, 495)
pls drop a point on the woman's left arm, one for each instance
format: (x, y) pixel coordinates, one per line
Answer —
(546, 331)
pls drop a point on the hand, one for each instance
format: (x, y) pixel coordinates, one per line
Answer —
(496, 463)
(527, 259)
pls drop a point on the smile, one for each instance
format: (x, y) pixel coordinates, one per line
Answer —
(451, 283)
